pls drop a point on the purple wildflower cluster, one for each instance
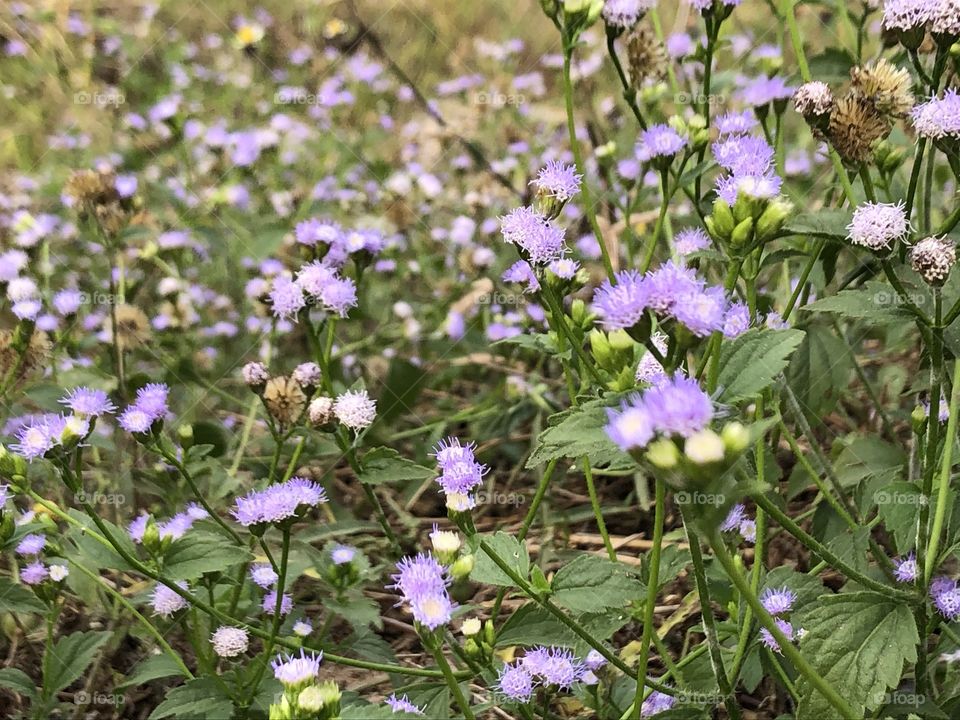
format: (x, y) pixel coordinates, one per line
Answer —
(174, 528)
(675, 407)
(149, 407)
(297, 671)
(460, 473)
(38, 435)
(422, 582)
(552, 667)
(656, 703)
(778, 602)
(946, 597)
(905, 569)
(738, 521)
(671, 292)
(536, 237)
(939, 118)
(402, 704)
(279, 502)
(316, 283)
(748, 160)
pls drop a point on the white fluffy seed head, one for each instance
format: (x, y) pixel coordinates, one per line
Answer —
(355, 409)
(229, 641)
(878, 225)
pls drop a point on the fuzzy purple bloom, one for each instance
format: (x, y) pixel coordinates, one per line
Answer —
(622, 305)
(278, 502)
(558, 180)
(905, 569)
(769, 641)
(88, 401)
(659, 142)
(515, 682)
(402, 704)
(297, 670)
(778, 601)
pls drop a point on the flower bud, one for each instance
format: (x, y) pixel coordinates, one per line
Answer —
(320, 411)
(773, 218)
(620, 340)
(600, 347)
(446, 545)
(471, 627)
(742, 233)
(310, 699)
(918, 419)
(723, 221)
(255, 376)
(462, 567)
(663, 454)
(11, 464)
(736, 438)
(704, 447)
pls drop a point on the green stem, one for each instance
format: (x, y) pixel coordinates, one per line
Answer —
(786, 646)
(452, 683)
(945, 467)
(653, 583)
(597, 510)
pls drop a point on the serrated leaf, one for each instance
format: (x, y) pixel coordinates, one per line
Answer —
(826, 223)
(384, 464)
(590, 583)
(532, 625)
(199, 699)
(750, 362)
(69, 659)
(18, 599)
(819, 370)
(578, 432)
(202, 552)
(18, 681)
(858, 642)
(511, 551)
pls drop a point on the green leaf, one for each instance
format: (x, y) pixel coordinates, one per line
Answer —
(358, 611)
(511, 551)
(202, 552)
(199, 699)
(877, 302)
(819, 370)
(532, 625)
(400, 390)
(590, 583)
(858, 642)
(578, 432)
(154, 667)
(750, 362)
(807, 588)
(826, 223)
(869, 458)
(18, 599)
(384, 464)
(69, 658)
(18, 681)
(96, 553)
(899, 504)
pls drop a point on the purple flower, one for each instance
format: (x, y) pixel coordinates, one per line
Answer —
(736, 123)
(769, 641)
(691, 240)
(905, 569)
(314, 276)
(521, 272)
(657, 702)
(907, 14)
(564, 268)
(678, 407)
(659, 141)
(594, 660)
(419, 575)
(402, 704)
(138, 527)
(877, 225)
(553, 665)
(126, 185)
(938, 117)
(765, 90)
(515, 682)
(539, 239)
(558, 180)
(269, 604)
(622, 305)
(263, 575)
(286, 298)
(343, 554)
(297, 670)
(318, 230)
(34, 573)
(31, 544)
(338, 295)
(670, 284)
(761, 187)
(748, 530)
(166, 602)
(135, 420)
(87, 401)
(624, 14)
(703, 312)
(67, 302)
(743, 154)
(630, 427)
(35, 439)
(778, 601)
(946, 597)
(734, 518)
(278, 502)
(432, 610)
(737, 320)
(152, 400)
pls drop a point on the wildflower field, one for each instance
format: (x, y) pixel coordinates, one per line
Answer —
(528, 360)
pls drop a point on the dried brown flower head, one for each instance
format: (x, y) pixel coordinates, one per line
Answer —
(90, 188)
(932, 258)
(646, 56)
(855, 125)
(885, 85)
(19, 364)
(133, 326)
(285, 399)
